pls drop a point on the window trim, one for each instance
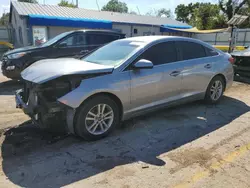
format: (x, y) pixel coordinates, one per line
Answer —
(137, 54)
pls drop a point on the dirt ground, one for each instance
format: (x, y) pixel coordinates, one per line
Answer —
(192, 145)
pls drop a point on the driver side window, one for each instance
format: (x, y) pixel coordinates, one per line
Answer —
(74, 40)
(161, 53)
(69, 41)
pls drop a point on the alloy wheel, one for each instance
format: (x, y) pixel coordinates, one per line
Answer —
(99, 119)
(216, 90)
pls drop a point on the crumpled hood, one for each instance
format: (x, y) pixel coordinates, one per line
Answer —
(49, 69)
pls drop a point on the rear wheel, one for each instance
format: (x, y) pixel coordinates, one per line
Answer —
(215, 90)
(97, 118)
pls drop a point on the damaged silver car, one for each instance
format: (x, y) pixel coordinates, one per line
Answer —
(89, 97)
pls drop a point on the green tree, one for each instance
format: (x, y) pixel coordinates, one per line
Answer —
(182, 13)
(160, 13)
(152, 12)
(230, 7)
(133, 12)
(65, 3)
(28, 1)
(245, 11)
(164, 12)
(115, 6)
(201, 15)
(207, 16)
(185, 13)
(4, 19)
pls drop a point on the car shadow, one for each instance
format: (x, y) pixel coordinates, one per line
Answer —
(142, 139)
(9, 87)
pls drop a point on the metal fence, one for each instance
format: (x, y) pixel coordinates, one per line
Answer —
(222, 38)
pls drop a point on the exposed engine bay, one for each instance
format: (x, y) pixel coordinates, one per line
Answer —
(40, 101)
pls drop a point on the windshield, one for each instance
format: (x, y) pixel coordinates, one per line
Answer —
(113, 53)
(55, 39)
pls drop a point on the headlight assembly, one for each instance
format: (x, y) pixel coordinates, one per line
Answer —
(16, 55)
(10, 67)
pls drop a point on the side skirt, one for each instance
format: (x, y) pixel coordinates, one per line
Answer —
(192, 98)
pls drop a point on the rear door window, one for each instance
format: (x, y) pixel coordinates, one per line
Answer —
(190, 50)
(100, 39)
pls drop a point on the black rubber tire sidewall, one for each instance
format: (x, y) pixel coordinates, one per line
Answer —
(80, 128)
(208, 99)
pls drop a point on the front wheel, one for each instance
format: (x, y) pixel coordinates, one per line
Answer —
(97, 117)
(215, 90)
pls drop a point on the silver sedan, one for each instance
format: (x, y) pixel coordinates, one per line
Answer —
(91, 96)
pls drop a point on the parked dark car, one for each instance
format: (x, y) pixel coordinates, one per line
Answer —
(68, 44)
(242, 62)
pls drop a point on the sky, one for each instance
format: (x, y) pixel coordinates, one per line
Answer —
(144, 6)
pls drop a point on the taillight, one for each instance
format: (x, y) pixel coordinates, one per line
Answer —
(231, 60)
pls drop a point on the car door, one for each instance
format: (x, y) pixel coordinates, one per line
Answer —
(197, 68)
(71, 46)
(149, 86)
(170, 85)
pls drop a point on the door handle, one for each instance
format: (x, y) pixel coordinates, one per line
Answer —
(84, 51)
(208, 66)
(175, 73)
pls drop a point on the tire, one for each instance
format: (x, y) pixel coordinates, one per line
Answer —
(210, 97)
(84, 124)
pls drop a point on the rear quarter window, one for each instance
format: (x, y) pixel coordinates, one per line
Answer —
(210, 52)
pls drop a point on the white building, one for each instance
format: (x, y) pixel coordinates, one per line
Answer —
(29, 21)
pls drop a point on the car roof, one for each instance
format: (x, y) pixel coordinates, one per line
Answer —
(100, 31)
(149, 39)
(145, 40)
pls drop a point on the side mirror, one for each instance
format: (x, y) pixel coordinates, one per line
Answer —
(143, 64)
(61, 45)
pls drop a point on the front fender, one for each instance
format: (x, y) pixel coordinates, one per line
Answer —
(118, 85)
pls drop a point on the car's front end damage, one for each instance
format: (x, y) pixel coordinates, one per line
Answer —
(40, 95)
(39, 101)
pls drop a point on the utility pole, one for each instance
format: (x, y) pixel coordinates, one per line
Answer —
(76, 3)
(97, 5)
(138, 10)
(233, 36)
